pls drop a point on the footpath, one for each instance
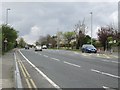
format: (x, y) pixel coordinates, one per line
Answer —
(7, 70)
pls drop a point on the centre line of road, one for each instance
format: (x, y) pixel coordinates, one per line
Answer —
(109, 88)
(105, 87)
(55, 59)
(45, 55)
(71, 64)
(104, 73)
(110, 61)
(45, 76)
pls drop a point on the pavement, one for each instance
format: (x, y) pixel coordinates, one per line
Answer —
(7, 70)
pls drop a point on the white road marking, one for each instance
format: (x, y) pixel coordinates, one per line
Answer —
(40, 54)
(110, 61)
(105, 73)
(105, 87)
(106, 60)
(115, 62)
(45, 76)
(45, 55)
(72, 64)
(55, 59)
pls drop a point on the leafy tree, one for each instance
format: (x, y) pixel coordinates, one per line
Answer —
(9, 34)
(69, 36)
(21, 42)
(87, 39)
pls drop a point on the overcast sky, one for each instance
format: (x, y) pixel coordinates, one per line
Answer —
(33, 19)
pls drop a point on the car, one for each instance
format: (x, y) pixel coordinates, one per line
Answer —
(38, 48)
(89, 48)
(44, 47)
(26, 47)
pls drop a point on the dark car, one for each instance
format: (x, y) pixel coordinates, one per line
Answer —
(26, 47)
(88, 48)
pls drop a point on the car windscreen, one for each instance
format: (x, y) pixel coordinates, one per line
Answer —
(91, 47)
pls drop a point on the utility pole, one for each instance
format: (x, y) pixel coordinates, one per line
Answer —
(91, 26)
(58, 37)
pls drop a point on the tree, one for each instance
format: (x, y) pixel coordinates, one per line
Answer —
(87, 39)
(68, 37)
(10, 35)
(59, 38)
(21, 42)
(103, 35)
(80, 30)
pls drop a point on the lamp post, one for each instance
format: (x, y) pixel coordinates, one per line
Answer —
(91, 26)
(7, 15)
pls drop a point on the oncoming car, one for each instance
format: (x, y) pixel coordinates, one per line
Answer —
(88, 48)
(44, 47)
(38, 48)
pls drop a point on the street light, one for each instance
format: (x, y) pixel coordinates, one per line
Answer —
(7, 15)
(91, 26)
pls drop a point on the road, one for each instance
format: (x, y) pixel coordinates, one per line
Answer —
(68, 69)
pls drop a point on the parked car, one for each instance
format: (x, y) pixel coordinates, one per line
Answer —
(88, 48)
(38, 48)
(44, 47)
(26, 47)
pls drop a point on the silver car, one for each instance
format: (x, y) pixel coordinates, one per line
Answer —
(38, 48)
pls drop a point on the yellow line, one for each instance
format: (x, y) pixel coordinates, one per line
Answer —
(28, 83)
(22, 69)
(33, 83)
(25, 70)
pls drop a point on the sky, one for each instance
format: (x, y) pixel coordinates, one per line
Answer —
(34, 19)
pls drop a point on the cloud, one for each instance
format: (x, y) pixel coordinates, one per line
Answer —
(46, 17)
(114, 17)
(61, 1)
(33, 35)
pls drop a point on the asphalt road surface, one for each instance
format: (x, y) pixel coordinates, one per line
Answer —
(69, 69)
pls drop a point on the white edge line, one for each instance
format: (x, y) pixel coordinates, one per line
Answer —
(105, 73)
(72, 64)
(45, 76)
